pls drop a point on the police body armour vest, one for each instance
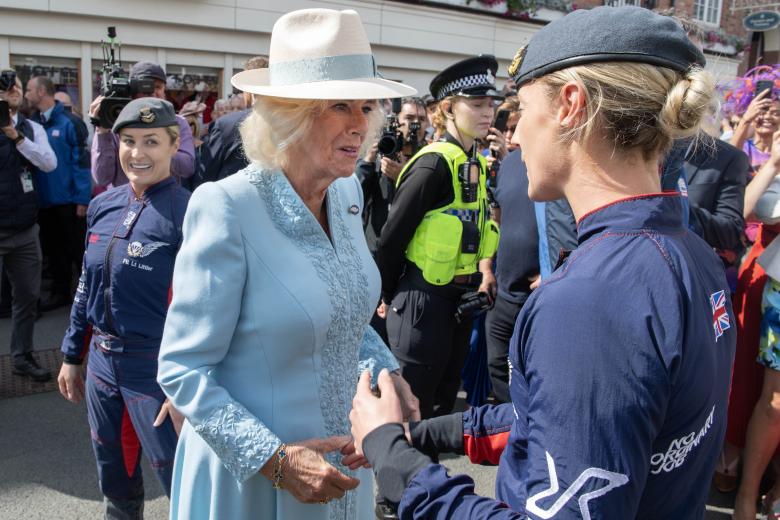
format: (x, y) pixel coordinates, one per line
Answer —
(451, 240)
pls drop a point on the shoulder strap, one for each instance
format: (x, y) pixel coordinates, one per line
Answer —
(451, 152)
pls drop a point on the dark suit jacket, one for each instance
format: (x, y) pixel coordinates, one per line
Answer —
(222, 153)
(716, 176)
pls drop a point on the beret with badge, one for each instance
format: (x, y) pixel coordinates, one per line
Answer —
(605, 34)
(146, 112)
(472, 77)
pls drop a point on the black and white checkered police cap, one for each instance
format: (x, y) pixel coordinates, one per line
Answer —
(472, 77)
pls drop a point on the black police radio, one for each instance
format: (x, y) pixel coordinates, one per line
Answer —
(468, 175)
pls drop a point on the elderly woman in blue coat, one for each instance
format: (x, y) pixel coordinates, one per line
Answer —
(274, 288)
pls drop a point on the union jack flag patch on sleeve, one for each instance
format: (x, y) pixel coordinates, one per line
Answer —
(720, 316)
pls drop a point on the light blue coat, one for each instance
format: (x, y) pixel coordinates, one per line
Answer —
(265, 338)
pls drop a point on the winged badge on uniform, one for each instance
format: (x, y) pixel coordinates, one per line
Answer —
(138, 250)
(517, 61)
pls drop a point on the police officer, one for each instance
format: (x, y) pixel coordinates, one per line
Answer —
(134, 233)
(620, 362)
(436, 234)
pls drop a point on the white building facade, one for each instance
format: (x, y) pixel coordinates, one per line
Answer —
(202, 43)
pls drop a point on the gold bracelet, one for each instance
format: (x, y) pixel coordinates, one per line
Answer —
(281, 453)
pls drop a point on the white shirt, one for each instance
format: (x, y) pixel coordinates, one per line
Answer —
(38, 152)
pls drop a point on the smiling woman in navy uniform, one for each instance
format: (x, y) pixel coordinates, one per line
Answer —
(134, 233)
(437, 232)
(620, 361)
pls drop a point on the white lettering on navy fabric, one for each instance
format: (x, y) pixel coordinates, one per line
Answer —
(81, 290)
(129, 218)
(613, 479)
(678, 450)
(137, 265)
(511, 369)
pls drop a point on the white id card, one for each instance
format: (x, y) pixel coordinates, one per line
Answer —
(27, 182)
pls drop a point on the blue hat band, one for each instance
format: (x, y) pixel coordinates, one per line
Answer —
(327, 68)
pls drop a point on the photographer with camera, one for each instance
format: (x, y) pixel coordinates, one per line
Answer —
(24, 148)
(439, 239)
(402, 137)
(146, 80)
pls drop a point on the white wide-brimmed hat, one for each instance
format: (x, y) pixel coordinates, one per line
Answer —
(320, 54)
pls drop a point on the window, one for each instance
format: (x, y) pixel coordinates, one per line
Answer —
(183, 84)
(64, 73)
(187, 83)
(707, 11)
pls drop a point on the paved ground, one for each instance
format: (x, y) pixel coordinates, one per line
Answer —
(47, 467)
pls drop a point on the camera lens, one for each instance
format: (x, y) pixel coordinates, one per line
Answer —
(113, 114)
(387, 145)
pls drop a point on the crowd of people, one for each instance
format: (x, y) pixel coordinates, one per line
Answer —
(280, 305)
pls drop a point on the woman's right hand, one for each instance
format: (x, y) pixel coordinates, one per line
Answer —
(308, 476)
(760, 103)
(71, 383)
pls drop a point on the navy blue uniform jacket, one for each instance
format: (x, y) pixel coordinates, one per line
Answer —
(620, 367)
(124, 289)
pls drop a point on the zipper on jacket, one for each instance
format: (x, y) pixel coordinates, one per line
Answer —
(107, 285)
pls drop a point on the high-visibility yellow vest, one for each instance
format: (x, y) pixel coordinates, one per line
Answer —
(436, 247)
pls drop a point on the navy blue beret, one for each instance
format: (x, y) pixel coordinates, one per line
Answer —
(146, 112)
(472, 77)
(605, 34)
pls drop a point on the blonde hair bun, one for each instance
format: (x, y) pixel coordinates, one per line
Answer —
(687, 103)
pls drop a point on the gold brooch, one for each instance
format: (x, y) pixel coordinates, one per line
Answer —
(147, 116)
(518, 59)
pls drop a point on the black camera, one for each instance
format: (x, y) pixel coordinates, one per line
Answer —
(392, 140)
(468, 175)
(116, 86)
(7, 80)
(471, 305)
(412, 144)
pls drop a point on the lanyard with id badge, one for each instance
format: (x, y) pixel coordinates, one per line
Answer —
(27, 181)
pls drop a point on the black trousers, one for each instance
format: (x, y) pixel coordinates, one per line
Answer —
(5, 290)
(62, 241)
(499, 325)
(20, 257)
(429, 344)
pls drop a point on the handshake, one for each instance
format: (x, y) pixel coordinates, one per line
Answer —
(302, 468)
